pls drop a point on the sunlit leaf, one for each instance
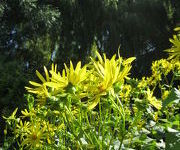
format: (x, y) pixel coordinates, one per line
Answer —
(173, 97)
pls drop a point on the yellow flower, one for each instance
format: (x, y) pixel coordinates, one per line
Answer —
(22, 129)
(153, 101)
(124, 93)
(57, 81)
(143, 83)
(160, 67)
(111, 71)
(40, 89)
(13, 115)
(34, 137)
(77, 75)
(107, 72)
(28, 114)
(165, 94)
(69, 76)
(50, 128)
(155, 116)
(174, 51)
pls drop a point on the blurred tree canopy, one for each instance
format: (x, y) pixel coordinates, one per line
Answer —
(34, 33)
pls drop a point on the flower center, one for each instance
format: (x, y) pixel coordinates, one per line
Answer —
(34, 136)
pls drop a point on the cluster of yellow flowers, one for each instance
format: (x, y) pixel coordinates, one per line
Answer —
(62, 96)
(93, 82)
(90, 82)
(160, 70)
(32, 130)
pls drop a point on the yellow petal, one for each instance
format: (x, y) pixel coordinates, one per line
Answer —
(55, 69)
(46, 72)
(14, 113)
(52, 67)
(94, 103)
(97, 68)
(177, 29)
(71, 67)
(57, 78)
(129, 60)
(157, 104)
(34, 83)
(67, 70)
(40, 76)
(55, 85)
(63, 73)
(99, 57)
(78, 67)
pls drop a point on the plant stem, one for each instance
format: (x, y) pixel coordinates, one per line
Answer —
(123, 117)
(121, 142)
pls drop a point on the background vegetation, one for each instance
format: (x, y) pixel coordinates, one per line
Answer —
(34, 33)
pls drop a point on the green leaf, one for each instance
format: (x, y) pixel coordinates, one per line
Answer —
(172, 139)
(173, 97)
(30, 100)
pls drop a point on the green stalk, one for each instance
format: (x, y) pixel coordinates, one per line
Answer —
(100, 119)
(121, 142)
(103, 127)
(172, 80)
(122, 114)
(85, 132)
(87, 119)
(112, 131)
(123, 117)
